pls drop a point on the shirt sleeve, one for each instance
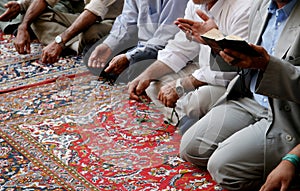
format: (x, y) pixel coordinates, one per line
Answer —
(124, 30)
(24, 5)
(166, 28)
(180, 50)
(51, 3)
(99, 7)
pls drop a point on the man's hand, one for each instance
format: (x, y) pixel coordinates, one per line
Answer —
(280, 178)
(193, 29)
(13, 9)
(99, 56)
(167, 94)
(51, 53)
(137, 87)
(118, 64)
(244, 61)
(22, 40)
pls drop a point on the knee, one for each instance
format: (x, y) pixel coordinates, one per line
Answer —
(229, 175)
(194, 150)
(201, 100)
(221, 173)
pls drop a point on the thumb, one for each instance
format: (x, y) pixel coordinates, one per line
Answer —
(110, 66)
(202, 15)
(9, 4)
(141, 87)
(284, 186)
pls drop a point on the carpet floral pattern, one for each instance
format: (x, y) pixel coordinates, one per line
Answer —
(82, 133)
(18, 71)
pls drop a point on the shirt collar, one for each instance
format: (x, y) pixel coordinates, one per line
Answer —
(285, 11)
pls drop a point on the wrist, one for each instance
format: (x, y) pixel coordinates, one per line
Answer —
(292, 158)
(23, 27)
(59, 40)
(21, 8)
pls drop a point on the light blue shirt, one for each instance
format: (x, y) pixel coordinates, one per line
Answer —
(277, 21)
(149, 22)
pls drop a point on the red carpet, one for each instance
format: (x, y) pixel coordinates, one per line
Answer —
(89, 137)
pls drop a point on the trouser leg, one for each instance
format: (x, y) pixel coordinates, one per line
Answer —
(238, 162)
(201, 140)
(197, 103)
(51, 24)
(94, 33)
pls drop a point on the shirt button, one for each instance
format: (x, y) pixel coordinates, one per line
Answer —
(287, 108)
(288, 138)
(278, 24)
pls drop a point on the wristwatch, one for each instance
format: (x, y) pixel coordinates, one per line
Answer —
(58, 40)
(179, 88)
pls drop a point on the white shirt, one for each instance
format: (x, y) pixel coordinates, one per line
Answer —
(150, 22)
(231, 17)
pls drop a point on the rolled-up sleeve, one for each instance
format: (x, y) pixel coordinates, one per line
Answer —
(51, 3)
(99, 7)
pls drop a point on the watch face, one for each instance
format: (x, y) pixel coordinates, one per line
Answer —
(179, 91)
(58, 39)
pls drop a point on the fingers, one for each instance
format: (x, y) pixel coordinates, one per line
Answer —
(132, 90)
(95, 63)
(118, 64)
(167, 95)
(110, 67)
(185, 27)
(12, 10)
(22, 49)
(185, 21)
(46, 58)
(202, 15)
(227, 57)
(184, 24)
(99, 56)
(137, 87)
(28, 50)
(166, 100)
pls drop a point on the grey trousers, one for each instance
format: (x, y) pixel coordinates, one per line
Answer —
(229, 140)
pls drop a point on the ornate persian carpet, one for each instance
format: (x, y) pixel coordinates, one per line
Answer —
(17, 71)
(78, 132)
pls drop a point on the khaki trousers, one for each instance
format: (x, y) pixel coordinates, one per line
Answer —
(52, 23)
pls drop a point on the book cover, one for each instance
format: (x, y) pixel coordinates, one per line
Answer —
(218, 42)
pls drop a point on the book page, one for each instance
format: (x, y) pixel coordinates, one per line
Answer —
(214, 34)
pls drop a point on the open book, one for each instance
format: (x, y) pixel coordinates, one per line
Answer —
(217, 42)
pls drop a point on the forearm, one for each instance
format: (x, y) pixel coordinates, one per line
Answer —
(157, 70)
(83, 22)
(296, 151)
(34, 10)
(191, 83)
